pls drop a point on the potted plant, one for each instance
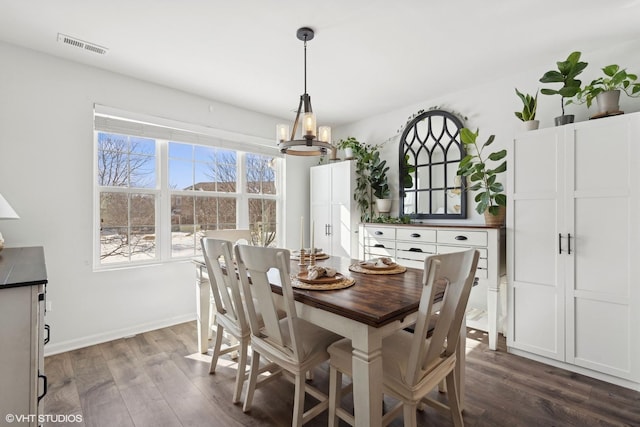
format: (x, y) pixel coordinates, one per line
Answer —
(491, 200)
(363, 155)
(528, 113)
(379, 182)
(606, 90)
(566, 74)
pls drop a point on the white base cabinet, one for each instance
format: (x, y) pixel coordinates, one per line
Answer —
(573, 241)
(409, 245)
(333, 208)
(22, 335)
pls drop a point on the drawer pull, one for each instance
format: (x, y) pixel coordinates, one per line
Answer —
(415, 235)
(461, 237)
(378, 233)
(378, 245)
(415, 250)
(47, 328)
(44, 385)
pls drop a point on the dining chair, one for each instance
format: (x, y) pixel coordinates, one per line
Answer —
(229, 311)
(238, 235)
(234, 236)
(413, 364)
(291, 343)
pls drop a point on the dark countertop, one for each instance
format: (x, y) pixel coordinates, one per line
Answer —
(22, 267)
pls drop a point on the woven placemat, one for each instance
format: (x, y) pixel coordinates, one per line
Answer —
(356, 268)
(344, 283)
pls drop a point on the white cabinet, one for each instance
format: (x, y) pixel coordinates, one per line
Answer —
(574, 247)
(410, 244)
(22, 300)
(333, 210)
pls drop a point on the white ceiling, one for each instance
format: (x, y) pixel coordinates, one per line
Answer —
(368, 56)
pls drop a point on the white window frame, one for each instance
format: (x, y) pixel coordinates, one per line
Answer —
(111, 120)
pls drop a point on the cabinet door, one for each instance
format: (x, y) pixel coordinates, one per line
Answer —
(320, 179)
(331, 208)
(534, 222)
(602, 217)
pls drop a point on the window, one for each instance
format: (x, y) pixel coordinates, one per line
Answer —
(156, 197)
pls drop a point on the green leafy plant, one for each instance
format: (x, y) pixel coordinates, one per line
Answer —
(378, 177)
(384, 219)
(482, 178)
(530, 104)
(566, 74)
(614, 79)
(406, 178)
(364, 156)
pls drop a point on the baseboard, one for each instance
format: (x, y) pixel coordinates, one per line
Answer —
(64, 346)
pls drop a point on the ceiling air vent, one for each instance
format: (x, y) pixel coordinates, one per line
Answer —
(81, 44)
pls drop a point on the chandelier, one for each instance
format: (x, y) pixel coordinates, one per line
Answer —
(310, 142)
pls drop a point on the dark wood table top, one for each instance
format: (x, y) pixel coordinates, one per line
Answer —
(22, 267)
(375, 300)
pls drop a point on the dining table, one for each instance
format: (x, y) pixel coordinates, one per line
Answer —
(376, 305)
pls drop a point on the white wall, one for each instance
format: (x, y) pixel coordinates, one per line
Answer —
(490, 107)
(46, 172)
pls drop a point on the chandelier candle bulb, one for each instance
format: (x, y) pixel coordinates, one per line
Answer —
(310, 125)
(282, 132)
(324, 134)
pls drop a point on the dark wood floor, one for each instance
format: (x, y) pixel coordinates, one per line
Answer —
(158, 379)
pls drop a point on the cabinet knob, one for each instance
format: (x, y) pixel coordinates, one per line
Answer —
(415, 235)
(460, 237)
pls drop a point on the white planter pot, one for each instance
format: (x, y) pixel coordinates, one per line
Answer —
(609, 101)
(531, 124)
(383, 205)
(348, 153)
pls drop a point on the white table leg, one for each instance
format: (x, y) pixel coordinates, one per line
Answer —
(493, 294)
(367, 380)
(203, 310)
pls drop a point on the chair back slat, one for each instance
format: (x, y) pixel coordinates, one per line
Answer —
(238, 235)
(456, 271)
(260, 267)
(224, 287)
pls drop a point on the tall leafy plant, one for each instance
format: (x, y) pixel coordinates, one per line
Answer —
(566, 74)
(483, 178)
(364, 156)
(378, 177)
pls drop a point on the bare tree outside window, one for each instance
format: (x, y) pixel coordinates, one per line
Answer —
(127, 219)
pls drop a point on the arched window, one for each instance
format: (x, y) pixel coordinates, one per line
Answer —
(432, 143)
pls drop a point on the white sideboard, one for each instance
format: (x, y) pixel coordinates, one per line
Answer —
(409, 245)
(574, 246)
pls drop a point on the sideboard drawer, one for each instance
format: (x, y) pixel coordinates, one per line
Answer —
(381, 250)
(414, 250)
(416, 234)
(446, 249)
(380, 233)
(463, 237)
